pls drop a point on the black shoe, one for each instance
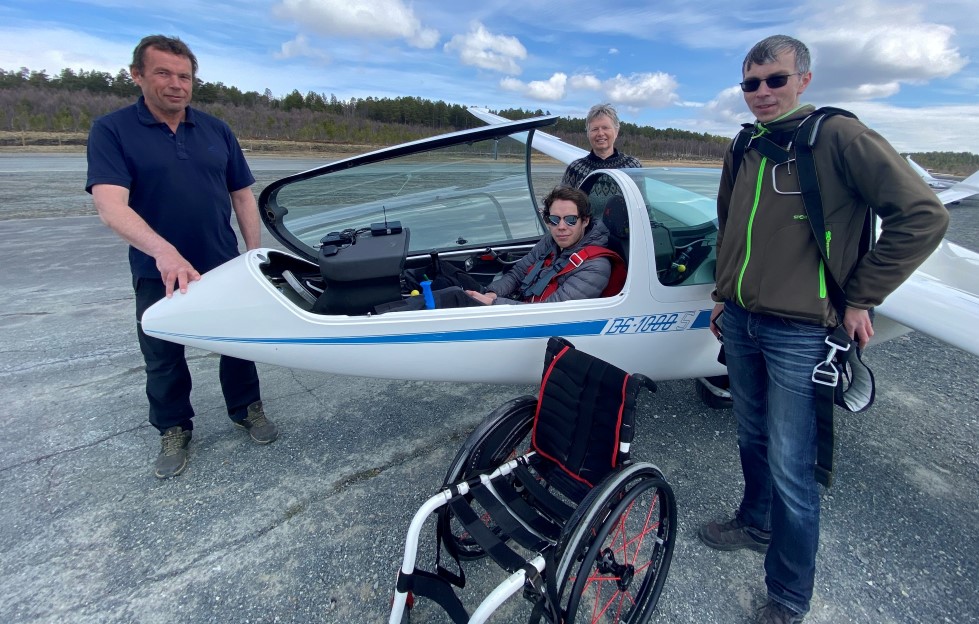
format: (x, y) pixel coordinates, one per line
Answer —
(733, 534)
(173, 452)
(259, 427)
(777, 613)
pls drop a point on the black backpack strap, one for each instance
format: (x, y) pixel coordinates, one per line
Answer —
(806, 135)
(739, 146)
(774, 145)
(805, 140)
(826, 379)
(830, 390)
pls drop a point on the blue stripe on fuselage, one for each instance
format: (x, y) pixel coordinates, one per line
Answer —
(578, 328)
(581, 328)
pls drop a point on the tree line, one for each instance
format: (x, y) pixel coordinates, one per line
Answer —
(955, 163)
(33, 101)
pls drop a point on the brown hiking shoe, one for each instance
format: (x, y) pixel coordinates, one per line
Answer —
(734, 534)
(173, 452)
(261, 429)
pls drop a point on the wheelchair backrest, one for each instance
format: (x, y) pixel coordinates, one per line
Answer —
(585, 413)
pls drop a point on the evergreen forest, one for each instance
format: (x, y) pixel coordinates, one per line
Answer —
(38, 109)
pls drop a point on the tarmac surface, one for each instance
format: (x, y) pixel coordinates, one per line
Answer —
(311, 527)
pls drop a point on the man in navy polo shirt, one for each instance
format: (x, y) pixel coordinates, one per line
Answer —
(165, 177)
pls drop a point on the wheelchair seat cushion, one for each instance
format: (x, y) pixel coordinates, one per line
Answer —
(585, 413)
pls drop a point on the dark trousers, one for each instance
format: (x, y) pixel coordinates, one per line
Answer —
(451, 297)
(168, 380)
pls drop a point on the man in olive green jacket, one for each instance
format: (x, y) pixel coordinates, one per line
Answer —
(773, 287)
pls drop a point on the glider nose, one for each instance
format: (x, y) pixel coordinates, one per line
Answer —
(216, 306)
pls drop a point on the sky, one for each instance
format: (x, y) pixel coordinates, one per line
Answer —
(909, 70)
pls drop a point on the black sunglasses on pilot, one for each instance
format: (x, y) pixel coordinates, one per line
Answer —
(774, 82)
(571, 220)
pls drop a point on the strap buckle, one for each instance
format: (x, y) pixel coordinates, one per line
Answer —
(838, 341)
(826, 373)
(788, 165)
(576, 260)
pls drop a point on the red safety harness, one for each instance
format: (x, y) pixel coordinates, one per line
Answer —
(615, 282)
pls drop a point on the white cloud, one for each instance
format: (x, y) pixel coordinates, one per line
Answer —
(483, 49)
(585, 81)
(300, 47)
(656, 90)
(727, 109)
(866, 51)
(550, 90)
(868, 91)
(55, 49)
(512, 84)
(380, 19)
(904, 129)
(613, 51)
(647, 90)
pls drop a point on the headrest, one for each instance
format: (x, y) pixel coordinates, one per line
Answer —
(616, 217)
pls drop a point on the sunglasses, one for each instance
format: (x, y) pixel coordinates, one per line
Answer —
(774, 82)
(571, 220)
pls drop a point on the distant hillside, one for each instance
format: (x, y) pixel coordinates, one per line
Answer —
(32, 102)
(951, 163)
(41, 110)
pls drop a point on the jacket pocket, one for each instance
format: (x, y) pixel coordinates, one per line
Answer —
(786, 274)
(844, 250)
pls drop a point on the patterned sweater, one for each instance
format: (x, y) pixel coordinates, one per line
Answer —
(579, 169)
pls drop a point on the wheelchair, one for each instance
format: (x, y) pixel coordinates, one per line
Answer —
(546, 488)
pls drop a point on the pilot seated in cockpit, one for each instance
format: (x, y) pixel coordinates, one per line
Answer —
(572, 263)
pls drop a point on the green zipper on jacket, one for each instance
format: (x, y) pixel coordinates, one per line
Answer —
(761, 130)
(822, 267)
(751, 222)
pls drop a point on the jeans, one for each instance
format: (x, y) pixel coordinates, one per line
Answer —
(168, 380)
(770, 361)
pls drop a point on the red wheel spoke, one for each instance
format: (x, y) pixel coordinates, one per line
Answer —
(596, 584)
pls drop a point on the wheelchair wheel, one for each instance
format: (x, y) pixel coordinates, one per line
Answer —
(615, 554)
(503, 435)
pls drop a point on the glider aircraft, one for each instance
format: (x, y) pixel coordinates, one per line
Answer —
(938, 184)
(944, 187)
(469, 200)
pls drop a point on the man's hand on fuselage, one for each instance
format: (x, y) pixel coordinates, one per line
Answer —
(175, 270)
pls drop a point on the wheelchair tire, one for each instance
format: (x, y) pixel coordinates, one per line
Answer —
(499, 438)
(615, 553)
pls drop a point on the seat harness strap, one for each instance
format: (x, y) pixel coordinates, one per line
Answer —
(615, 281)
(540, 282)
(537, 278)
